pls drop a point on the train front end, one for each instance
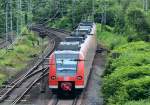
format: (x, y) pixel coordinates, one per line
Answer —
(66, 72)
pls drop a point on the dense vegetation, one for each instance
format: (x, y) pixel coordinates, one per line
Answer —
(17, 57)
(127, 76)
(125, 16)
(123, 27)
(15, 14)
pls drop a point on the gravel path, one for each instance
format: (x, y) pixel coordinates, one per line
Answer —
(93, 94)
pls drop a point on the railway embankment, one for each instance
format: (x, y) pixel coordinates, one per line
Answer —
(126, 80)
(17, 57)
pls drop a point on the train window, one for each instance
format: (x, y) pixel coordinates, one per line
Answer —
(65, 65)
(85, 27)
(74, 46)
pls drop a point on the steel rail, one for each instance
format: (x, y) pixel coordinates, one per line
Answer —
(2, 44)
(20, 80)
(66, 102)
(41, 26)
(16, 83)
(27, 90)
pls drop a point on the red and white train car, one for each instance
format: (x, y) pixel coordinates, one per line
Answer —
(71, 62)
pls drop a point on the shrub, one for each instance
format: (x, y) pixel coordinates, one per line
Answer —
(140, 102)
(22, 52)
(2, 78)
(107, 38)
(138, 46)
(138, 88)
(127, 76)
(132, 82)
(133, 58)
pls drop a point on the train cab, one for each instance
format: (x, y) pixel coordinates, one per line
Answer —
(71, 62)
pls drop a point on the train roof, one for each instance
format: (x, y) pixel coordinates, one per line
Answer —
(74, 46)
(73, 43)
(83, 31)
(74, 39)
(86, 24)
(68, 52)
(78, 34)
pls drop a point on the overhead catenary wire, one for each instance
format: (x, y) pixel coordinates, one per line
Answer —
(73, 12)
(145, 5)
(15, 10)
(6, 23)
(104, 6)
(93, 10)
(14, 20)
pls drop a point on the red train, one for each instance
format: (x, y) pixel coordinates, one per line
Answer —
(71, 62)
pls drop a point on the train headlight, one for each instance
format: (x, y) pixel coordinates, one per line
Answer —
(79, 77)
(53, 77)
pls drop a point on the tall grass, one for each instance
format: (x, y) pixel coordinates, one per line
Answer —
(140, 102)
(25, 50)
(110, 39)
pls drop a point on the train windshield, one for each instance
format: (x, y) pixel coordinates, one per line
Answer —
(66, 64)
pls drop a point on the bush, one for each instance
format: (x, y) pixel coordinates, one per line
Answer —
(134, 81)
(127, 76)
(62, 23)
(133, 46)
(2, 78)
(138, 88)
(133, 54)
(107, 38)
(140, 102)
(22, 52)
(131, 59)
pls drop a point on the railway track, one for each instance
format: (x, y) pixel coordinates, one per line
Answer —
(67, 102)
(8, 89)
(42, 30)
(3, 44)
(60, 30)
(15, 91)
(23, 81)
(77, 100)
(17, 99)
(7, 43)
